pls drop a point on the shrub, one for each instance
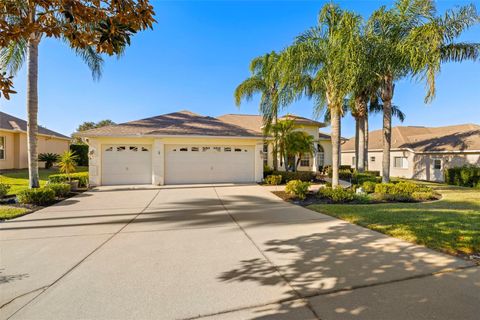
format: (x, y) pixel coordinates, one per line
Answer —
(81, 150)
(466, 176)
(273, 179)
(360, 178)
(384, 188)
(297, 188)
(369, 186)
(372, 173)
(67, 162)
(267, 170)
(405, 188)
(424, 195)
(298, 175)
(82, 178)
(337, 194)
(48, 158)
(61, 189)
(4, 188)
(38, 196)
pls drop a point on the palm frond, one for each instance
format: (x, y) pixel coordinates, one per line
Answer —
(248, 88)
(13, 56)
(93, 60)
(458, 52)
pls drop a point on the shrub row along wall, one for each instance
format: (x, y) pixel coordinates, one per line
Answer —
(467, 176)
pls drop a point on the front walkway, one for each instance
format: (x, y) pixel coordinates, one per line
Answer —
(218, 252)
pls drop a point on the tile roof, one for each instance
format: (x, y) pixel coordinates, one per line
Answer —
(176, 123)
(9, 122)
(462, 137)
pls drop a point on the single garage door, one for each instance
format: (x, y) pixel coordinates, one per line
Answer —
(126, 164)
(209, 164)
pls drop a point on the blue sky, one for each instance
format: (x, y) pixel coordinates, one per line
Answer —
(199, 52)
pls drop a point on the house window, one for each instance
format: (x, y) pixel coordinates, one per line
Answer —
(400, 162)
(372, 159)
(183, 149)
(305, 161)
(320, 156)
(238, 150)
(132, 148)
(353, 161)
(123, 148)
(227, 149)
(265, 147)
(195, 149)
(109, 149)
(205, 149)
(2, 148)
(218, 149)
(145, 149)
(437, 164)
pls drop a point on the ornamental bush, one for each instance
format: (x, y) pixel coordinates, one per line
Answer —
(61, 189)
(4, 188)
(297, 188)
(37, 196)
(369, 186)
(337, 195)
(82, 178)
(466, 176)
(273, 179)
(298, 175)
(81, 150)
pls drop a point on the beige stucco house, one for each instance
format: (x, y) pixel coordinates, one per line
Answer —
(421, 152)
(184, 147)
(13, 142)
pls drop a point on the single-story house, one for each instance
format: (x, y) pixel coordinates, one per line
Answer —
(13, 142)
(184, 147)
(421, 152)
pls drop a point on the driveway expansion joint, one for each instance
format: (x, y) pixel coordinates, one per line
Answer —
(45, 288)
(299, 296)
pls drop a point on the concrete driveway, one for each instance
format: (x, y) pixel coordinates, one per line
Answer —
(218, 252)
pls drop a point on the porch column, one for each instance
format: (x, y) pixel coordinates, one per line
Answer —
(158, 162)
(259, 162)
(94, 161)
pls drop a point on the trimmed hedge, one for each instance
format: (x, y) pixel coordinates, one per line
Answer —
(61, 189)
(298, 175)
(37, 196)
(82, 178)
(466, 176)
(81, 150)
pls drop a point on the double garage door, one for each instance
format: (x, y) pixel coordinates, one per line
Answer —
(132, 164)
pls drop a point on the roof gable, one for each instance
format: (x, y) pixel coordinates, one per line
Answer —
(11, 123)
(176, 123)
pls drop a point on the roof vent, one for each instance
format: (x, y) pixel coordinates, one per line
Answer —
(14, 125)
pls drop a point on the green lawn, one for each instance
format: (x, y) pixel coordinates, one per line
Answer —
(7, 212)
(18, 179)
(451, 224)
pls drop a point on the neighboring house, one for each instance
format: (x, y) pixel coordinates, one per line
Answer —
(13, 142)
(421, 152)
(183, 147)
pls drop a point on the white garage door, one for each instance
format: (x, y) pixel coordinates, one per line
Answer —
(126, 164)
(209, 164)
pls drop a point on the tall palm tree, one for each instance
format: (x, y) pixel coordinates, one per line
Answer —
(12, 58)
(25, 50)
(323, 53)
(264, 80)
(409, 40)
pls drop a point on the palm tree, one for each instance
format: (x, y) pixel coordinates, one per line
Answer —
(12, 58)
(282, 130)
(265, 81)
(324, 53)
(409, 40)
(89, 27)
(300, 144)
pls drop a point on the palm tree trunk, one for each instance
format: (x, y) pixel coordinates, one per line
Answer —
(357, 131)
(365, 154)
(275, 146)
(387, 95)
(32, 110)
(361, 145)
(335, 123)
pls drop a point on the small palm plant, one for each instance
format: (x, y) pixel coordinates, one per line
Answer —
(48, 158)
(68, 163)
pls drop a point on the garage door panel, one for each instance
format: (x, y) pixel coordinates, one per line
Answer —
(210, 164)
(126, 164)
